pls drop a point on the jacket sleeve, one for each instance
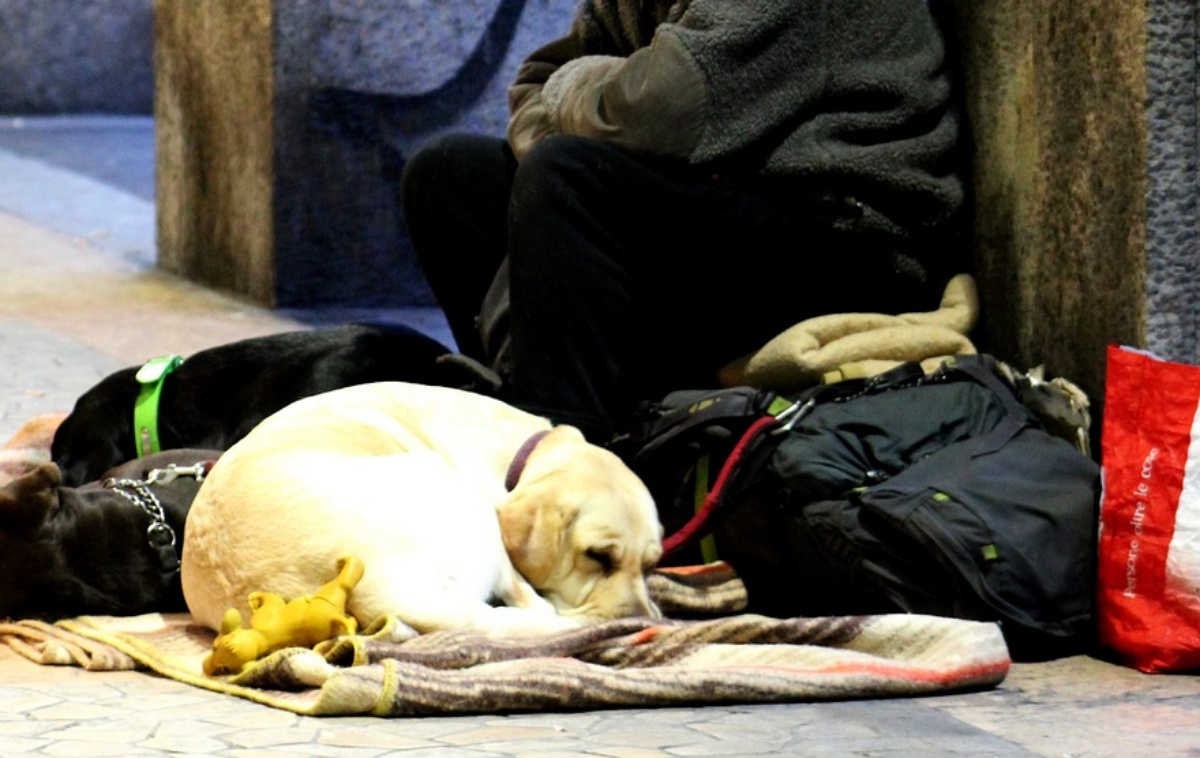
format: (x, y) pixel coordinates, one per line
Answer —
(529, 119)
(653, 100)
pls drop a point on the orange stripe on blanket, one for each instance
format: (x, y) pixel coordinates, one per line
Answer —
(884, 671)
(646, 636)
(693, 570)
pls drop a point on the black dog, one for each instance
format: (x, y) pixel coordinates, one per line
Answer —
(96, 549)
(218, 395)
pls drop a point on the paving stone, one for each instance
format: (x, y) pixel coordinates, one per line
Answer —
(177, 745)
(73, 749)
(494, 734)
(258, 716)
(567, 723)
(20, 746)
(76, 712)
(186, 729)
(103, 728)
(727, 747)
(379, 738)
(630, 752)
(445, 752)
(667, 736)
(20, 726)
(14, 701)
(285, 751)
(329, 751)
(273, 736)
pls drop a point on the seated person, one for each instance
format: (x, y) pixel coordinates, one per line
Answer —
(682, 181)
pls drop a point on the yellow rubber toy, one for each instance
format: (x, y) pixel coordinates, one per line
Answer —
(276, 623)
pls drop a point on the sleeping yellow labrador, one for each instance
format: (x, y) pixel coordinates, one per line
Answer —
(467, 513)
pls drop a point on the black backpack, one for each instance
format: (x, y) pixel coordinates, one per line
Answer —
(938, 494)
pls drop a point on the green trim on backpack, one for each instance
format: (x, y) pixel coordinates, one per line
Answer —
(708, 544)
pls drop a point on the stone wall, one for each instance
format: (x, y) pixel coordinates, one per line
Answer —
(1172, 256)
(76, 56)
(1083, 118)
(284, 126)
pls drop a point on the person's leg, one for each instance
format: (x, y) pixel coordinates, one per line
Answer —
(619, 265)
(454, 194)
(633, 276)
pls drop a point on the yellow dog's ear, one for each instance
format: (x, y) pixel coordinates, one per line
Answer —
(534, 523)
(538, 514)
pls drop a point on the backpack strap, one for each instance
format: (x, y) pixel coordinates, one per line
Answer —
(685, 416)
(752, 437)
(978, 368)
(750, 452)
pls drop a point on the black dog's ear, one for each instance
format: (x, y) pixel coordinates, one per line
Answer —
(25, 501)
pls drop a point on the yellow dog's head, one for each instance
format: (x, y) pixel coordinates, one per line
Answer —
(582, 528)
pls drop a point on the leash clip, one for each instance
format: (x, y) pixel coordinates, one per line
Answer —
(162, 541)
(788, 418)
(173, 472)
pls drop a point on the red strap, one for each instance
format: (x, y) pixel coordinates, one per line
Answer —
(700, 520)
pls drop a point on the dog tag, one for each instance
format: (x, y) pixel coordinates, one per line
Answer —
(168, 559)
(162, 539)
(160, 535)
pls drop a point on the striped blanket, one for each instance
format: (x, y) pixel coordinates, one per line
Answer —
(709, 652)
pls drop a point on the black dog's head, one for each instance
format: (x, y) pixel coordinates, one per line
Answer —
(31, 550)
(98, 432)
(67, 551)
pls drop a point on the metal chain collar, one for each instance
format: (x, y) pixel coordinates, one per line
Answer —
(160, 534)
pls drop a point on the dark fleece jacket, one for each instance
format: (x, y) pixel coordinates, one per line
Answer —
(846, 97)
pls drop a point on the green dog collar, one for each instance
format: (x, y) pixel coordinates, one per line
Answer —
(145, 411)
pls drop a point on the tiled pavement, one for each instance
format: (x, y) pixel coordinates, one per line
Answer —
(78, 301)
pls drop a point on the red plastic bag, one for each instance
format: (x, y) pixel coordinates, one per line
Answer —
(1148, 604)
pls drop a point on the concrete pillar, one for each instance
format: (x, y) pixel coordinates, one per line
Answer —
(282, 127)
(1083, 118)
(215, 143)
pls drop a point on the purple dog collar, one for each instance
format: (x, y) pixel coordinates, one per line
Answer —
(518, 462)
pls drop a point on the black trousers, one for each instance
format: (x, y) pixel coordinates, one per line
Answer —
(631, 275)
